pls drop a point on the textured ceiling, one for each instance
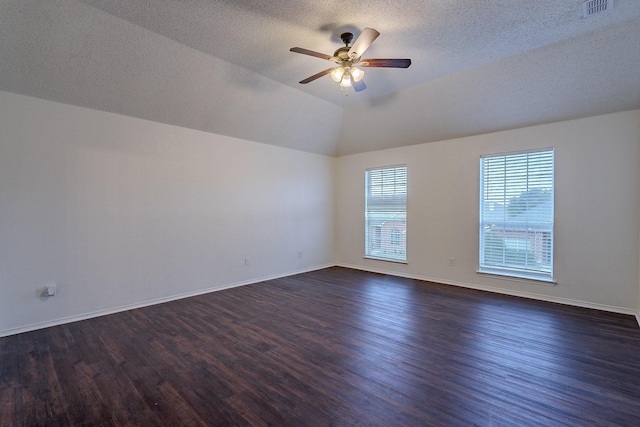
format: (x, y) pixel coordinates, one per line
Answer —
(225, 66)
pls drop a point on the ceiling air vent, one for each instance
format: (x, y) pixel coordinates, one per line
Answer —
(592, 7)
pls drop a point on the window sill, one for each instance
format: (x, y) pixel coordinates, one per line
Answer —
(519, 277)
(397, 261)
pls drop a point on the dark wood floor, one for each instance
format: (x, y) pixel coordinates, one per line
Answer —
(333, 347)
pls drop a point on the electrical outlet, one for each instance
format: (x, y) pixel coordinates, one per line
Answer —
(300, 254)
(246, 261)
(452, 261)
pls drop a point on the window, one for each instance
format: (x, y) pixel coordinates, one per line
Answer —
(386, 213)
(516, 214)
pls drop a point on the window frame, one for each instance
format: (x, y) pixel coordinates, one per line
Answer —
(390, 207)
(541, 231)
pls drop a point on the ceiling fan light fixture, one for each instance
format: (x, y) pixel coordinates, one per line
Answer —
(356, 74)
(336, 75)
(346, 79)
(345, 73)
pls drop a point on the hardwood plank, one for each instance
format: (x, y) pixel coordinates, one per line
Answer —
(330, 347)
(11, 413)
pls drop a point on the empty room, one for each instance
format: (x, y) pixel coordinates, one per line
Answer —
(319, 213)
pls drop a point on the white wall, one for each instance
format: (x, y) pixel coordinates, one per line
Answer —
(120, 212)
(597, 210)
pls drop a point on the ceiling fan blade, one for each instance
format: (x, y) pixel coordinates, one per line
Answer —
(312, 53)
(359, 86)
(316, 76)
(362, 43)
(389, 63)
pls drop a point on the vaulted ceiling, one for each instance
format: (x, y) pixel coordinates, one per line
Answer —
(225, 66)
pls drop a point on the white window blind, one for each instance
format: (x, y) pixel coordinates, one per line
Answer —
(516, 214)
(386, 213)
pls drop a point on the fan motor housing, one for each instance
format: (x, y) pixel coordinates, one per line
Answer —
(342, 53)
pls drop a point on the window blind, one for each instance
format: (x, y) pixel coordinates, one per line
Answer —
(386, 213)
(517, 214)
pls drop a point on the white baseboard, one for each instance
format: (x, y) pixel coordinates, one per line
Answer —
(76, 318)
(546, 298)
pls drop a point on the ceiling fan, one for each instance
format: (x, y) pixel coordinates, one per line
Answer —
(349, 59)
